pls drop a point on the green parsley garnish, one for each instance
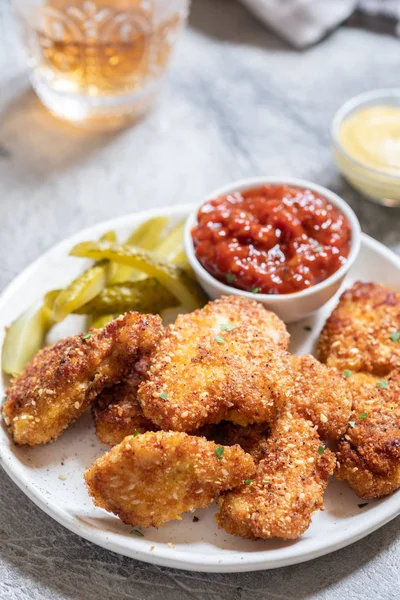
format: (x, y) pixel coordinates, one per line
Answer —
(163, 395)
(226, 327)
(352, 424)
(319, 249)
(135, 432)
(230, 277)
(307, 328)
(255, 290)
(137, 533)
(363, 416)
(219, 339)
(395, 337)
(219, 452)
(363, 504)
(248, 481)
(347, 373)
(321, 449)
(383, 384)
(87, 336)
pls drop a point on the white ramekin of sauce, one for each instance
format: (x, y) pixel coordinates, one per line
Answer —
(366, 144)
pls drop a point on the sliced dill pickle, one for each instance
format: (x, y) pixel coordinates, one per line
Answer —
(50, 298)
(100, 321)
(81, 290)
(146, 296)
(172, 277)
(146, 236)
(108, 236)
(25, 337)
(171, 246)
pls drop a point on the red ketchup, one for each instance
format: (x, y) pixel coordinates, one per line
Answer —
(274, 239)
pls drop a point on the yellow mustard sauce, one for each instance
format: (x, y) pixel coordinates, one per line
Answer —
(371, 136)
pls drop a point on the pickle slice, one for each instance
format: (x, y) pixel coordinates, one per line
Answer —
(145, 236)
(101, 321)
(109, 236)
(146, 296)
(25, 337)
(148, 234)
(80, 291)
(171, 246)
(172, 277)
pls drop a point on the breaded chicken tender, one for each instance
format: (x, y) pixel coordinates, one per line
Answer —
(287, 489)
(228, 356)
(63, 380)
(358, 336)
(321, 395)
(252, 438)
(153, 478)
(117, 412)
(369, 455)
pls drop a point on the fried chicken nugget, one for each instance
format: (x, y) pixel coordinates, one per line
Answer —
(61, 381)
(252, 438)
(287, 489)
(357, 335)
(230, 355)
(369, 455)
(153, 478)
(117, 412)
(321, 395)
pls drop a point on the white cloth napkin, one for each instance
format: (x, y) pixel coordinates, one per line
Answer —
(302, 22)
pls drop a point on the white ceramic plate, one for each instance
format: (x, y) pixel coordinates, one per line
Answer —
(196, 546)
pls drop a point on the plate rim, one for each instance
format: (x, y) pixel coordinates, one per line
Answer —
(387, 510)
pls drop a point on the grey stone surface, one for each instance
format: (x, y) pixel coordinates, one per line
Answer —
(238, 102)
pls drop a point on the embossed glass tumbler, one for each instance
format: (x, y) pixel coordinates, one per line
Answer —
(99, 62)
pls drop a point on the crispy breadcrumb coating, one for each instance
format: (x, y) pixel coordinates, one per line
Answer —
(153, 478)
(321, 395)
(369, 455)
(287, 489)
(63, 380)
(229, 355)
(357, 335)
(252, 439)
(117, 412)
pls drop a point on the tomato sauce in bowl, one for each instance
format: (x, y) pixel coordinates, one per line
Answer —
(273, 239)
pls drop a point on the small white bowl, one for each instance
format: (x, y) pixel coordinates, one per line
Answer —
(289, 307)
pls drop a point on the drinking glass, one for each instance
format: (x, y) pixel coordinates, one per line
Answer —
(99, 62)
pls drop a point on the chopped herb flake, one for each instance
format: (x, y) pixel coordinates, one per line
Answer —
(383, 384)
(163, 395)
(137, 533)
(347, 373)
(363, 504)
(230, 277)
(319, 249)
(226, 327)
(248, 481)
(219, 452)
(363, 416)
(219, 339)
(87, 336)
(135, 432)
(352, 424)
(321, 449)
(307, 328)
(256, 290)
(395, 337)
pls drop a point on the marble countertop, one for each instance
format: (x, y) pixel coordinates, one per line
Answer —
(238, 102)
